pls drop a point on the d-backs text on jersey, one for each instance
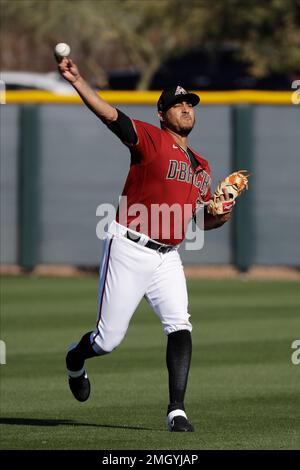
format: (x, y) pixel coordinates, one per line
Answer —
(182, 171)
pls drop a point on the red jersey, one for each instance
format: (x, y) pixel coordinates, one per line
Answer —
(162, 188)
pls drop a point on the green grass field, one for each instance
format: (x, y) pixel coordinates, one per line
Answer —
(243, 390)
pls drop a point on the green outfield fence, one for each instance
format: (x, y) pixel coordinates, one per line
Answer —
(241, 104)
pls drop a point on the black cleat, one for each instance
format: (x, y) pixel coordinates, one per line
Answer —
(80, 387)
(78, 380)
(177, 422)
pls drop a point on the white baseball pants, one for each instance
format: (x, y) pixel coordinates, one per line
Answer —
(130, 271)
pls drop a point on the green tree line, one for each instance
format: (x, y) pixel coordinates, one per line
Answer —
(140, 34)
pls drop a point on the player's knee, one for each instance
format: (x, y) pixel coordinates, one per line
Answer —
(108, 347)
(108, 344)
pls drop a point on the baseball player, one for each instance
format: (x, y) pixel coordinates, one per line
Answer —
(140, 258)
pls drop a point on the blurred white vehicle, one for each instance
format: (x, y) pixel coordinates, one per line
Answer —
(36, 81)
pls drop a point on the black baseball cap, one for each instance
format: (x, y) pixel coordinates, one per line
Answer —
(174, 95)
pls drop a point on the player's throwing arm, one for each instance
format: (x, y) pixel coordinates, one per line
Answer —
(70, 72)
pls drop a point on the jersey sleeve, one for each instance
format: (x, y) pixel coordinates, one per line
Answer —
(148, 143)
(208, 178)
(123, 128)
(208, 195)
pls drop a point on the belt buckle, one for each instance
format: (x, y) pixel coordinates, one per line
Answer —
(133, 237)
(160, 248)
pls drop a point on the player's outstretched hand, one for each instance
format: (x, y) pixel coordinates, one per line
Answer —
(68, 69)
(222, 218)
(225, 196)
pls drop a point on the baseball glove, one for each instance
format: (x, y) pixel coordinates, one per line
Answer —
(235, 184)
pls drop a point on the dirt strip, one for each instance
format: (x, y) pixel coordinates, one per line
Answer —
(192, 272)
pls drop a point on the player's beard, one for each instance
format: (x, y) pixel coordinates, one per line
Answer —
(181, 129)
(184, 131)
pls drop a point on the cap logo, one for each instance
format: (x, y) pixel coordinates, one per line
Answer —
(180, 91)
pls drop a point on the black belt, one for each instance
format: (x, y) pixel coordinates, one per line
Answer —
(150, 244)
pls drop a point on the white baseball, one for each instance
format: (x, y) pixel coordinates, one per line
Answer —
(62, 49)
